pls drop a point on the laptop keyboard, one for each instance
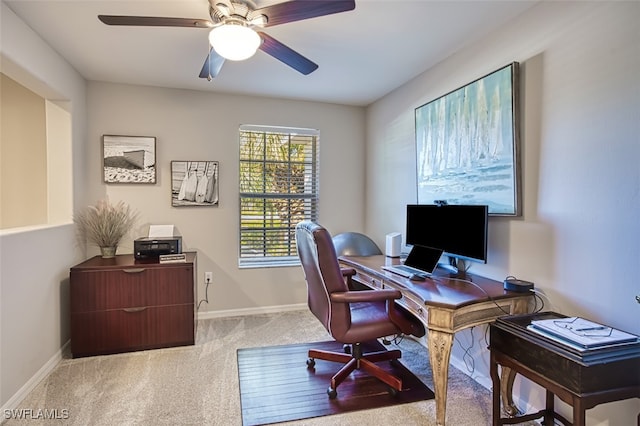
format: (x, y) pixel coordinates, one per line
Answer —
(408, 269)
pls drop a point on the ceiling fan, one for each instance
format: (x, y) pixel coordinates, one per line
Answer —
(235, 29)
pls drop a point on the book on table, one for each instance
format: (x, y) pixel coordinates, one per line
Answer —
(582, 334)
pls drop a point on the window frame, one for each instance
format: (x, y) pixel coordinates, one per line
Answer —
(309, 196)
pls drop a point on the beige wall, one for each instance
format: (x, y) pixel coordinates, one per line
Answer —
(59, 157)
(35, 260)
(23, 154)
(578, 238)
(192, 125)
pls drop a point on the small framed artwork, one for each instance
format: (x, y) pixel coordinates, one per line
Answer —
(194, 183)
(129, 159)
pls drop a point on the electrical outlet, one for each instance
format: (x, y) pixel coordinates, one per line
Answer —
(208, 277)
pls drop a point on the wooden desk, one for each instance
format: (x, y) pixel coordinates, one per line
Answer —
(582, 380)
(444, 304)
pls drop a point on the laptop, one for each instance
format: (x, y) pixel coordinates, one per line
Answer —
(420, 263)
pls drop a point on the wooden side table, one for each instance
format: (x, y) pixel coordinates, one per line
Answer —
(580, 380)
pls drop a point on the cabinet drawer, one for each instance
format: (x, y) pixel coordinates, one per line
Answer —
(95, 290)
(130, 329)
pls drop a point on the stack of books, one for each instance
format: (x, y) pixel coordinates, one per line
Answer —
(593, 341)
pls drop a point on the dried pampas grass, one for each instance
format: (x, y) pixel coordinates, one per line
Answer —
(105, 224)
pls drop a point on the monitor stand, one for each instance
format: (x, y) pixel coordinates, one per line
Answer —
(456, 267)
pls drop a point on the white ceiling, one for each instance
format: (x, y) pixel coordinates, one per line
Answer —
(363, 54)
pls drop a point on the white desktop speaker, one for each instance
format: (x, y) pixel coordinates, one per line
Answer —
(394, 243)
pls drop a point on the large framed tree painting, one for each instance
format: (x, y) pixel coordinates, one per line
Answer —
(467, 145)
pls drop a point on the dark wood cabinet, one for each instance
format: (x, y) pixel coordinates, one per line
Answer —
(123, 304)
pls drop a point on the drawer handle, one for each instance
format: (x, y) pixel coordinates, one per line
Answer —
(134, 270)
(132, 310)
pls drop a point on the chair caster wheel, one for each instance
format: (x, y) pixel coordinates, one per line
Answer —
(346, 349)
(311, 363)
(393, 392)
(332, 393)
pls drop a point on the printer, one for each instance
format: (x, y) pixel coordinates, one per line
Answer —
(153, 247)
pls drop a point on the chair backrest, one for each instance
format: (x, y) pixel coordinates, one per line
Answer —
(323, 276)
(355, 244)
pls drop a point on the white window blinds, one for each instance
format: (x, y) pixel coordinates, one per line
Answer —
(278, 189)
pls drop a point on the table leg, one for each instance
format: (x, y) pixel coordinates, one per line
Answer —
(495, 393)
(579, 418)
(549, 408)
(507, 377)
(439, 354)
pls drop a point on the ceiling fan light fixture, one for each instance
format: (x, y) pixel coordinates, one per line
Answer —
(234, 42)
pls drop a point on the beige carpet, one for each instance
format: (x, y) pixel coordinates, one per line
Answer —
(198, 385)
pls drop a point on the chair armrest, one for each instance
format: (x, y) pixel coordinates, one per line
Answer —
(348, 272)
(365, 296)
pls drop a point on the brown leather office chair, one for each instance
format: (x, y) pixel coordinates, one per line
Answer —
(350, 317)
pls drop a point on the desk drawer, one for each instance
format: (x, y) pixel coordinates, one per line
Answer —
(411, 305)
(369, 281)
(415, 308)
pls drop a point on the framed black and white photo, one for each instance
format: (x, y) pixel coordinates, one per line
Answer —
(129, 159)
(467, 145)
(194, 183)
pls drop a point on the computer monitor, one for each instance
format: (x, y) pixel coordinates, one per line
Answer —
(459, 230)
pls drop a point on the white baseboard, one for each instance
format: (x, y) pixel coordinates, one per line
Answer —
(251, 311)
(44, 371)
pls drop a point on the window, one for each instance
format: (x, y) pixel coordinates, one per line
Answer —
(278, 189)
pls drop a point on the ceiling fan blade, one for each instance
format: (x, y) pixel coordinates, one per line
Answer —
(155, 21)
(285, 54)
(212, 65)
(291, 11)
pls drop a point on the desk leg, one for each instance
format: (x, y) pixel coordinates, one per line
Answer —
(439, 354)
